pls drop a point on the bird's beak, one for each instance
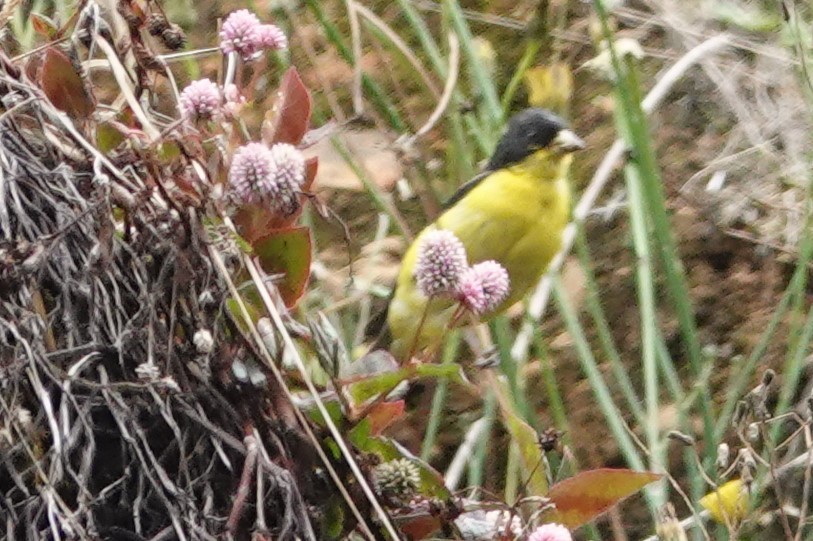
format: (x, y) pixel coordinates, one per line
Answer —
(566, 141)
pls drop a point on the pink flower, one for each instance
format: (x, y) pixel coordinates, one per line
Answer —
(551, 532)
(251, 171)
(441, 260)
(200, 100)
(272, 176)
(241, 33)
(272, 37)
(484, 286)
(290, 176)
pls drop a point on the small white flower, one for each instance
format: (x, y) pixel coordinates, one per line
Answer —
(171, 384)
(24, 417)
(482, 525)
(148, 371)
(203, 340)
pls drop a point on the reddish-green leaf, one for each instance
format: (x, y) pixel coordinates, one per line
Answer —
(288, 119)
(526, 439)
(63, 85)
(530, 453)
(286, 252)
(253, 222)
(43, 26)
(431, 484)
(586, 495)
(384, 414)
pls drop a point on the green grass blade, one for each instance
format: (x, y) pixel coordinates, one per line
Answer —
(602, 392)
(605, 338)
(450, 349)
(636, 128)
(482, 78)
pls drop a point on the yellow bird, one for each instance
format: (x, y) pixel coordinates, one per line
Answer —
(514, 213)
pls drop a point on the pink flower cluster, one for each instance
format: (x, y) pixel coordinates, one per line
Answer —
(484, 286)
(200, 100)
(244, 34)
(203, 100)
(270, 176)
(441, 269)
(441, 261)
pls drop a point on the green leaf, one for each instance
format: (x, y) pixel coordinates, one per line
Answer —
(332, 518)
(233, 308)
(527, 440)
(334, 410)
(384, 383)
(108, 137)
(286, 252)
(530, 452)
(586, 495)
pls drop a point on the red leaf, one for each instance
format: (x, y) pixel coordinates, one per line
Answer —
(383, 414)
(63, 85)
(288, 120)
(311, 168)
(586, 495)
(286, 252)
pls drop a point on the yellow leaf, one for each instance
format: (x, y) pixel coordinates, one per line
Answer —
(729, 503)
(550, 86)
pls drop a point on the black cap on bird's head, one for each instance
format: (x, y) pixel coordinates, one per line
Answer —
(531, 130)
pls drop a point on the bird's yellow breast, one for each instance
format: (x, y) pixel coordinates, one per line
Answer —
(514, 216)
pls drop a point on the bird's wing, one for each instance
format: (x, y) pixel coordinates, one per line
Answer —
(465, 188)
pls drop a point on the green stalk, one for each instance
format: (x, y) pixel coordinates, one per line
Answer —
(643, 162)
(595, 377)
(670, 375)
(439, 64)
(482, 78)
(799, 339)
(649, 317)
(556, 403)
(428, 43)
(450, 348)
(377, 95)
(478, 461)
(605, 337)
(531, 50)
(501, 332)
